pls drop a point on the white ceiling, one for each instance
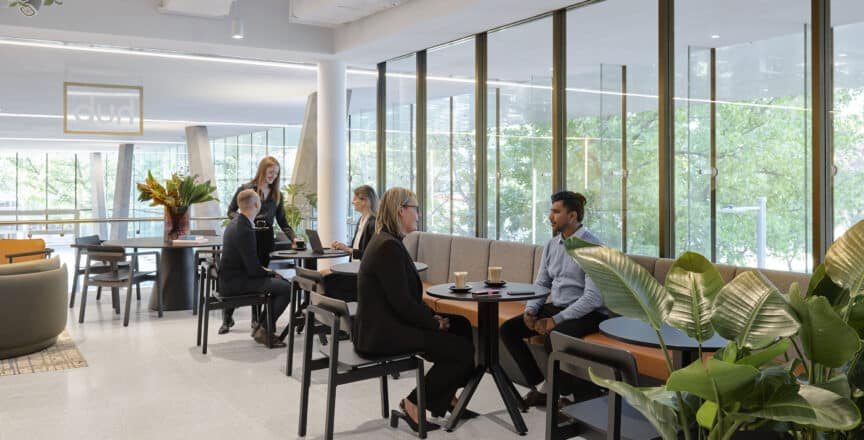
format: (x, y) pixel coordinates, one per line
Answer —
(333, 13)
(612, 32)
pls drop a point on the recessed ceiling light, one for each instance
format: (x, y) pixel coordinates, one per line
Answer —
(842, 55)
(715, 36)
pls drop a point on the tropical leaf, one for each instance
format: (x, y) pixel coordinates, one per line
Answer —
(752, 312)
(693, 282)
(179, 191)
(717, 381)
(653, 403)
(812, 406)
(820, 324)
(821, 284)
(844, 260)
(627, 288)
(707, 414)
(766, 355)
(777, 379)
(856, 370)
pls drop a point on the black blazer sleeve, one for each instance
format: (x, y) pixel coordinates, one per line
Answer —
(283, 222)
(368, 232)
(233, 208)
(396, 283)
(245, 246)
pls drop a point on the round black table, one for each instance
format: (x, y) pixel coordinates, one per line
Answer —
(353, 267)
(634, 331)
(176, 268)
(305, 255)
(487, 343)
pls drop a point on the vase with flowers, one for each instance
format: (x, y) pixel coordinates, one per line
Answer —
(177, 195)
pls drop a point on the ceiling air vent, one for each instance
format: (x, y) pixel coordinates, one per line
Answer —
(197, 8)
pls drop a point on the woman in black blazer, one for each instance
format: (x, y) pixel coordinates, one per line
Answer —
(392, 318)
(365, 202)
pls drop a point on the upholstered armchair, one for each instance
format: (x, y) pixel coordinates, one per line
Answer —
(32, 305)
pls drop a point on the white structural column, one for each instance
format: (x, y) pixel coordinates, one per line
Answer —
(97, 192)
(332, 152)
(201, 163)
(122, 190)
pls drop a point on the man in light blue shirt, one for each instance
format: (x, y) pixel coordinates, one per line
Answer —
(574, 306)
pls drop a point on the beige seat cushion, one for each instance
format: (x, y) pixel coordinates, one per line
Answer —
(434, 250)
(469, 254)
(516, 260)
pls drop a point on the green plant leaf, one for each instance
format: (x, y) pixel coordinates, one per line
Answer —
(838, 384)
(651, 403)
(627, 288)
(766, 355)
(856, 314)
(844, 260)
(717, 381)
(821, 284)
(707, 414)
(820, 324)
(856, 370)
(693, 282)
(812, 406)
(752, 312)
(772, 380)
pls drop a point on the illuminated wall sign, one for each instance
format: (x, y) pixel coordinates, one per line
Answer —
(103, 109)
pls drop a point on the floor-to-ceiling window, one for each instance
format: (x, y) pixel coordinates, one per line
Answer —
(612, 119)
(519, 135)
(401, 162)
(760, 80)
(847, 17)
(362, 148)
(450, 146)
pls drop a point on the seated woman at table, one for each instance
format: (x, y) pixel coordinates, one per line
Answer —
(392, 318)
(266, 184)
(365, 202)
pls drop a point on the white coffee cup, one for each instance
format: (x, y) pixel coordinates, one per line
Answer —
(494, 274)
(459, 279)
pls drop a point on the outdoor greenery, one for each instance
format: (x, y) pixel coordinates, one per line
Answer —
(753, 383)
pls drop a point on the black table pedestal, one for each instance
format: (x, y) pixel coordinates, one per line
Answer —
(487, 339)
(176, 271)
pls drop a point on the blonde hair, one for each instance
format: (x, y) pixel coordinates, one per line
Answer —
(260, 178)
(388, 211)
(367, 193)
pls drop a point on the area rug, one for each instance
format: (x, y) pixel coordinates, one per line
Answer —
(63, 355)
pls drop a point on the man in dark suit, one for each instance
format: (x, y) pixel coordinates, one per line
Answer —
(240, 271)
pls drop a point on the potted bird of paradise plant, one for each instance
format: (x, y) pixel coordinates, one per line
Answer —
(177, 195)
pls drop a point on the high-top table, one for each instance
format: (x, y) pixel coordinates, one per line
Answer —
(487, 344)
(176, 268)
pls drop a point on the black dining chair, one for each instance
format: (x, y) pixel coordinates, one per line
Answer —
(107, 266)
(608, 414)
(344, 365)
(211, 300)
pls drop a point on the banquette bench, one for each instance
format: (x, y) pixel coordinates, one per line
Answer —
(520, 262)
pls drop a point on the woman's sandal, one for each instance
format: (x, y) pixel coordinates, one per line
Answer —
(396, 415)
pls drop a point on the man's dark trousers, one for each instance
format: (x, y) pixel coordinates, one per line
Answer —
(514, 332)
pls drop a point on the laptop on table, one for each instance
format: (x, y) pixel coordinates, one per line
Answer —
(315, 244)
